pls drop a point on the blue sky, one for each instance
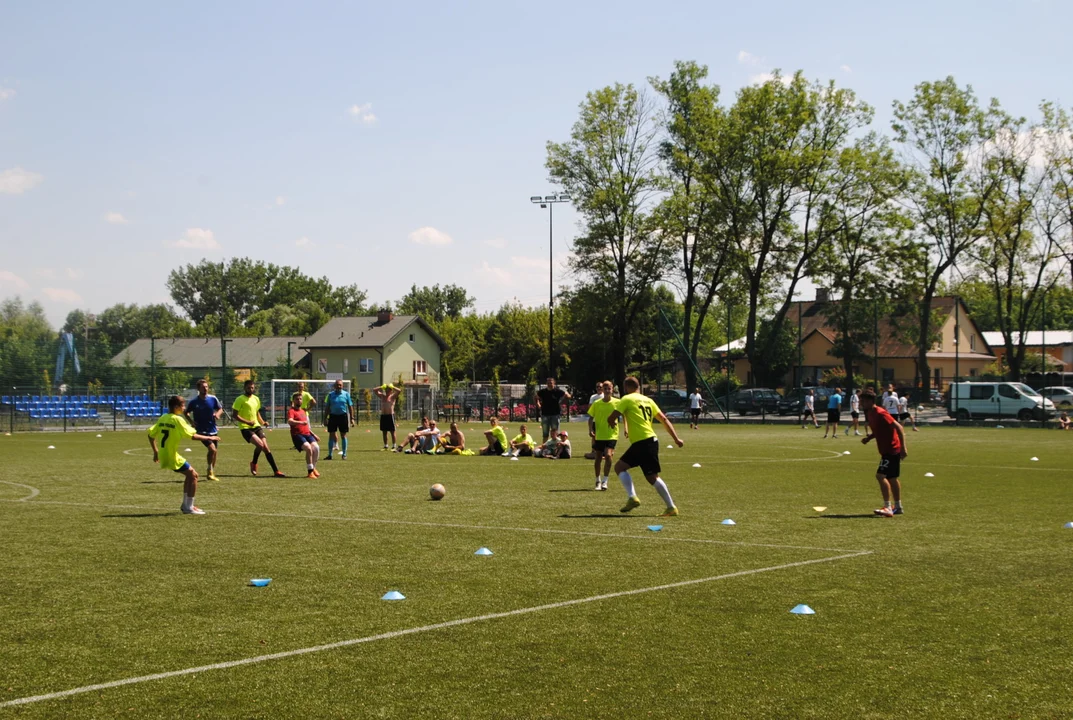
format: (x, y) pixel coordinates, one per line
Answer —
(393, 144)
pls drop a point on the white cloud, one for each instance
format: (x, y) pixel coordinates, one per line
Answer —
(6, 94)
(762, 78)
(747, 58)
(303, 242)
(280, 200)
(520, 261)
(846, 69)
(498, 243)
(495, 274)
(16, 181)
(47, 273)
(9, 279)
(430, 236)
(115, 218)
(362, 113)
(74, 273)
(197, 239)
(64, 295)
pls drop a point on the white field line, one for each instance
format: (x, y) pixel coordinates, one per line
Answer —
(413, 631)
(34, 492)
(458, 526)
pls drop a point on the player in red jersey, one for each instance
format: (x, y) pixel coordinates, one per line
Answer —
(890, 441)
(303, 437)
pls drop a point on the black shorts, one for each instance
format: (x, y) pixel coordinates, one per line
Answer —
(807, 413)
(834, 415)
(890, 467)
(300, 440)
(644, 453)
(525, 451)
(497, 448)
(854, 414)
(600, 445)
(247, 435)
(695, 412)
(339, 423)
(902, 417)
(211, 443)
(387, 423)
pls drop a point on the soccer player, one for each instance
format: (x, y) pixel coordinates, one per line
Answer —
(1063, 421)
(904, 413)
(550, 401)
(172, 429)
(454, 441)
(638, 412)
(497, 439)
(890, 401)
(890, 441)
(834, 413)
(809, 410)
(308, 401)
(206, 410)
(523, 443)
(246, 412)
(388, 394)
(340, 417)
(303, 437)
(696, 404)
(855, 412)
(604, 435)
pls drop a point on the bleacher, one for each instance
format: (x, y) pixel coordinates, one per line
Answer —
(77, 407)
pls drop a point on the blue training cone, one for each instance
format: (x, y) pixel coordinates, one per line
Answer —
(393, 595)
(1068, 526)
(728, 521)
(803, 610)
(260, 582)
(483, 551)
(655, 528)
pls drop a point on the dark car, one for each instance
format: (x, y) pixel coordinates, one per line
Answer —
(755, 400)
(669, 399)
(794, 401)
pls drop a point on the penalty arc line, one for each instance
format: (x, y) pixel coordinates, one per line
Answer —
(460, 526)
(413, 631)
(34, 492)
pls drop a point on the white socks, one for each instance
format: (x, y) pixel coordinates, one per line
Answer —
(661, 488)
(627, 483)
(188, 501)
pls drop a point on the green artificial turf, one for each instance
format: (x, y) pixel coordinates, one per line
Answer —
(959, 608)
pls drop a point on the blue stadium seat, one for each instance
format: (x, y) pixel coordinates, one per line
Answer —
(92, 399)
(5, 400)
(93, 413)
(36, 400)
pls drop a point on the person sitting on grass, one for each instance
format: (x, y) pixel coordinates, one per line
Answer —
(562, 448)
(408, 445)
(497, 439)
(423, 441)
(1063, 421)
(454, 441)
(548, 448)
(523, 444)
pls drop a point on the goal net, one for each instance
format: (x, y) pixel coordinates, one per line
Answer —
(282, 390)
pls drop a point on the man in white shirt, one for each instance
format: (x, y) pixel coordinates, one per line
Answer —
(890, 401)
(810, 410)
(696, 404)
(855, 412)
(904, 414)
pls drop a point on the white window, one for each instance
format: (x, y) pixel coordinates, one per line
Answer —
(412, 337)
(972, 342)
(420, 367)
(365, 365)
(346, 365)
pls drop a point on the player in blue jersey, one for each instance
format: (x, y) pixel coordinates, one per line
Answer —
(204, 411)
(340, 410)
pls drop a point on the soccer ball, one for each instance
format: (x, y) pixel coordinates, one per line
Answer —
(920, 408)
(437, 491)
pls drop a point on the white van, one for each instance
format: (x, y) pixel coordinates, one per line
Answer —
(978, 400)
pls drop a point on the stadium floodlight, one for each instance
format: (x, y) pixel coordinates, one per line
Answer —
(548, 201)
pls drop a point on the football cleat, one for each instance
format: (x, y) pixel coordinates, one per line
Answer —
(192, 510)
(253, 468)
(669, 512)
(631, 503)
(884, 512)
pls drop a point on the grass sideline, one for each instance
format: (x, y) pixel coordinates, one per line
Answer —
(960, 610)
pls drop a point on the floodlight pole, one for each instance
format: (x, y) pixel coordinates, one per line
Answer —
(548, 201)
(290, 368)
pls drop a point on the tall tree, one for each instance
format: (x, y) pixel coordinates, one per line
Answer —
(27, 345)
(434, 303)
(946, 136)
(610, 168)
(774, 165)
(691, 216)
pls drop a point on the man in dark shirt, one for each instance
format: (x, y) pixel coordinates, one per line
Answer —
(550, 401)
(890, 441)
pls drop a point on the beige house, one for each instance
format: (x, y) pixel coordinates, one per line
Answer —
(402, 349)
(896, 358)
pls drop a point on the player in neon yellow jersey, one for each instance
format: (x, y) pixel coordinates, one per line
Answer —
(172, 429)
(308, 401)
(638, 411)
(497, 439)
(246, 412)
(604, 435)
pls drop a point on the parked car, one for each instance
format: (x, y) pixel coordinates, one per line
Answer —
(794, 401)
(670, 399)
(997, 399)
(755, 400)
(1060, 395)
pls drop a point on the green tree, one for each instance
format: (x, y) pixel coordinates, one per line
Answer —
(516, 340)
(434, 304)
(27, 344)
(947, 136)
(610, 169)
